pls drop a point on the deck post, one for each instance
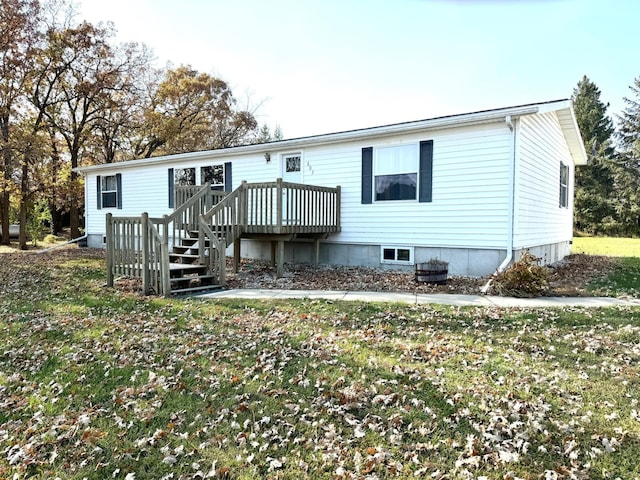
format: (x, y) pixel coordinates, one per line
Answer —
(144, 226)
(279, 205)
(165, 269)
(273, 253)
(316, 252)
(223, 266)
(338, 199)
(236, 254)
(280, 259)
(110, 251)
(244, 206)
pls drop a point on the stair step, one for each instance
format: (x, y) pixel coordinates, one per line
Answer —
(183, 257)
(191, 278)
(183, 248)
(200, 288)
(220, 234)
(186, 267)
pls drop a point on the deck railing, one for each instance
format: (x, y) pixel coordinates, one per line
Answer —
(135, 249)
(283, 207)
(139, 246)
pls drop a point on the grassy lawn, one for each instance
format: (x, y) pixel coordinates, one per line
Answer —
(611, 246)
(625, 279)
(97, 383)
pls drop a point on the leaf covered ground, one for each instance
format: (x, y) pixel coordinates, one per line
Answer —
(99, 383)
(570, 277)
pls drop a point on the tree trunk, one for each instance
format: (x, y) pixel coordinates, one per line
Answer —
(24, 197)
(56, 218)
(74, 211)
(5, 197)
(5, 200)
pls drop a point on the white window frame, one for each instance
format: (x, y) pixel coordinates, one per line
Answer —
(395, 260)
(103, 190)
(564, 187)
(377, 170)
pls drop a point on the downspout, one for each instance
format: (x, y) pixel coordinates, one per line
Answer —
(63, 244)
(512, 200)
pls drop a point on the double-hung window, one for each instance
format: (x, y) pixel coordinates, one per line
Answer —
(564, 185)
(395, 171)
(398, 172)
(109, 191)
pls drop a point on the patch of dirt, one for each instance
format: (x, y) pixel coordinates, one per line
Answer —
(569, 277)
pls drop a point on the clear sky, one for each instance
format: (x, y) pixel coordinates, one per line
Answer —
(324, 66)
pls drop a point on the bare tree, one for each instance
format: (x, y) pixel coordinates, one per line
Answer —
(18, 20)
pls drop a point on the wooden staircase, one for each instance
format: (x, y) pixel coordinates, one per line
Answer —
(184, 251)
(187, 275)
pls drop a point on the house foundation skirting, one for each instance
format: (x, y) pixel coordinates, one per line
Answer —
(474, 262)
(548, 254)
(462, 261)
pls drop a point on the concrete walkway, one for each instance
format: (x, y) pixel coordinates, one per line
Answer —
(420, 298)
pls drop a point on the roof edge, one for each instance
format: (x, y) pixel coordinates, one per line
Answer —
(482, 116)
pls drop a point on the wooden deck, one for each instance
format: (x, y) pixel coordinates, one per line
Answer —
(275, 211)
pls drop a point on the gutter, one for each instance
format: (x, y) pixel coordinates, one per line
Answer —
(316, 140)
(512, 200)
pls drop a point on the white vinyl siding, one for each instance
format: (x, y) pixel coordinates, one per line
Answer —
(145, 188)
(470, 191)
(542, 149)
(469, 207)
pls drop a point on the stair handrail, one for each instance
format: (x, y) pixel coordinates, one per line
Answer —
(213, 255)
(235, 202)
(172, 227)
(158, 274)
(155, 259)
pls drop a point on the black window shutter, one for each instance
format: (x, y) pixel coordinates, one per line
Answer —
(228, 186)
(99, 190)
(171, 180)
(426, 171)
(367, 174)
(119, 194)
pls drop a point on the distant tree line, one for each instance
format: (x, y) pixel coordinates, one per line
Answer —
(71, 96)
(607, 194)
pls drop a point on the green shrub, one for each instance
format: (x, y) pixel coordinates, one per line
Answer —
(38, 215)
(524, 278)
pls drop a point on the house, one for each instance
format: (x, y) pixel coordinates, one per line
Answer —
(474, 189)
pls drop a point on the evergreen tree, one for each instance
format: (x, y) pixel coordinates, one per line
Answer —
(629, 131)
(594, 205)
(628, 179)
